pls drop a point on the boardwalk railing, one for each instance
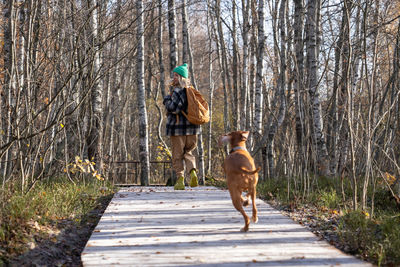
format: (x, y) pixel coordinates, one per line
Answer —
(128, 172)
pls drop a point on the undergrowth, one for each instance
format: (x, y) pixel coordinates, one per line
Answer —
(375, 237)
(217, 182)
(24, 216)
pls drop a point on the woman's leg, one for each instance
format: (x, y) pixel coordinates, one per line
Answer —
(190, 145)
(177, 146)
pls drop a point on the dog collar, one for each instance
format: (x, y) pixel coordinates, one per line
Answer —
(237, 148)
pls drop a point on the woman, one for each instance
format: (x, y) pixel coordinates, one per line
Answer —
(183, 134)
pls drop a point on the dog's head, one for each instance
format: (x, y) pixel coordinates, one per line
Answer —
(234, 138)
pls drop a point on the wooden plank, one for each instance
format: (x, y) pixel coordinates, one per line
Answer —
(157, 226)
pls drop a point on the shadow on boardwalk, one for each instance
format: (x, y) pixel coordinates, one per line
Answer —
(199, 227)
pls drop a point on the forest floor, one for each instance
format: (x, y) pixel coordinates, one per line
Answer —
(65, 241)
(64, 248)
(323, 223)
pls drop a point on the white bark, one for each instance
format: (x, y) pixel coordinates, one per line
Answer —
(173, 56)
(211, 92)
(160, 49)
(223, 65)
(9, 81)
(235, 76)
(143, 124)
(244, 86)
(185, 34)
(312, 57)
(188, 53)
(299, 72)
(258, 109)
(95, 138)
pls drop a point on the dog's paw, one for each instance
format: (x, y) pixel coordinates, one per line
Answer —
(254, 220)
(244, 229)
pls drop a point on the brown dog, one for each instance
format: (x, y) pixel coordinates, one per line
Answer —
(241, 174)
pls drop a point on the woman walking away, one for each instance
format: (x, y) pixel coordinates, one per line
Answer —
(183, 134)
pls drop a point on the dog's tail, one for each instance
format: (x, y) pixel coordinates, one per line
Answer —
(250, 172)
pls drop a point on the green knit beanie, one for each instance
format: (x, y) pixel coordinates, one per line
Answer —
(182, 70)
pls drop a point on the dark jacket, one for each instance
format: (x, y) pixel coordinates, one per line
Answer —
(177, 124)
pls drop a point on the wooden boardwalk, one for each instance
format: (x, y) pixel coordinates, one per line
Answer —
(157, 226)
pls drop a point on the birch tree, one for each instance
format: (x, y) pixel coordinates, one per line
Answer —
(187, 54)
(299, 71)
(160, 48)
(95, 138)
(173, 56)
(9, 81)
(143, 124)
(235, 75)
(245, 62)
(223, 65)
(312, 83)
(211, 92)
(260, 70)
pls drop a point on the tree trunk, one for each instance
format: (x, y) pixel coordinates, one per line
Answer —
(160, 49)
(185, 34)
(188, 50)
(235, 77)
(312, 82)
(9, 86)
(141, 95)
(245, 72)
(223, 66)
(211, 92)
(95, 138)
(299, 73)
(173, 56)
(258, 109)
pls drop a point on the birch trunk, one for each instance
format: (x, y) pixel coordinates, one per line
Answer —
(143, 124)
(346, 91)
(20, 94)
(114, 99)
(371, 136)
(299, 73)
(252, 75)
(275, 121)
(336, 101)
(185, 34)
(244, 86)
(258, 109)
(211, 92)
(160, 49)
(280, 94)
(312, 80)
(188, 54)
(235, 77)
(95, 138)
(223, 66)
(173, 56)
(9, 81)
(162, 73)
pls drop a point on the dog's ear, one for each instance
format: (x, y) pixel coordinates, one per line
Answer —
(224, 139)
(245, 134)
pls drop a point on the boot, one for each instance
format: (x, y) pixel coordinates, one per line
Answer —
(180, 185)
(193, 178)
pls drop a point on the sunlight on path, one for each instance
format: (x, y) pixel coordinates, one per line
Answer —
(157, 226)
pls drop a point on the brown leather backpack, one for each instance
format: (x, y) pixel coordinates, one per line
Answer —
(197, 110)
